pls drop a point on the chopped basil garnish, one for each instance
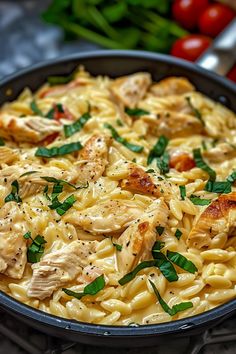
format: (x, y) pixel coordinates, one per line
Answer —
(178, 234)
(61, 208)
(123, 141)
(14, 196)
(158, 149)
(181, 261)
(163, 163)
(202, 164)
(34, 107)
(150, 170)
(160, 230)
(91, 289)
(58, 151)
(131, 275)
(45, 192)
(232, 178)
(182, 190)
(196, 112)
(2, 142)
(119, 123)
(158, 245)
(204, 147)
(118, 247)
(63, 182)
(136, 112)
(218, 187)
(165, 266)
(75, 127)
(199, 201)
(58, 107)
(36, 249)
(176, 308)
(59, 80)
(28, 173)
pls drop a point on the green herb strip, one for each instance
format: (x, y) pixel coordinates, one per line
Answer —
(58, 107)
(91, 289)
(165, 266)
(60, 80)
(71, 129)
(181, 261)
(196, 112)
(118, 247)
(200, 163)
(136, 112)
(34, 107)
(182, 190)
(131, 275)
(2, 142)
(63, 182)
(178, 234)
(199, 201)
(176, 308)
(14, 195)
(158, 149)
(160, 230)
(28, 173)
(218, 187)
(58, 151)
(158, 245)
(163, 163)
(61, 208)
(232, 177)
(123, 141)
(36, 249)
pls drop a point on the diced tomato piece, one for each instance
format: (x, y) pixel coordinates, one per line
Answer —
(182, 162)
(49, 139)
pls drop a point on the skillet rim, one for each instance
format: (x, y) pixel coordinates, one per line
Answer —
(193, 322)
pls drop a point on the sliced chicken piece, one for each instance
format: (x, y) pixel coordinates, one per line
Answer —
(106, 217)
(217, 219)
(31, 129)
(138, 239)
(12, 243)
(8, 155)
(138, 181)
(59, 267)
(221, 152)
(172, 86)
(173, 124)
(131, 89)
(93, 158)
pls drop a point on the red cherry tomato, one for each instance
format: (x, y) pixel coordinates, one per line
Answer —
(187, 12)
(232, 74)
(190, 47)
(215, 18)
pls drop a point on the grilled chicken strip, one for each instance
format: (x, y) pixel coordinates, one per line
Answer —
(106, 217)
(31, 129)
(172, 86)
(131, 89)
(138, 239)
(12, 243)
(93, 158)
(58, 268)
(217, 219)
(220, 153)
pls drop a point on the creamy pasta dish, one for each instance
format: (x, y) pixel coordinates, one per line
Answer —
(118, 203)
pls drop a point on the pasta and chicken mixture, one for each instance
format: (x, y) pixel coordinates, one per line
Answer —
(118, 203)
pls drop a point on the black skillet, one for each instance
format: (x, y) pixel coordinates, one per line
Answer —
(117, 63)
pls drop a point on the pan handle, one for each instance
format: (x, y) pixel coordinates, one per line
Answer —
(221, 55)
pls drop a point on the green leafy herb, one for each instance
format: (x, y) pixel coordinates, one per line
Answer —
(45, 193)
(163, 163)
(34, 107)
(218, 187)
(61, 208)
(232, 178)
(150, 170)
(60, 80)
(71, 129)
(118, 247)
(28, 173)
(164, 265)
(136, 112)
(199, 201)
(202, 164)
(196, 112)
(181, 261)
(36, 249)
(131, 275)
(160, 230)
(91, 289)
(158, 245)
(57, 108)
(204, 147)
(63, 182)
(2, 142)
(58, 151)
(123, 141)
(178, 234)
(14, 195)
(182, 190)
(158, 149)
(176, 308)
(119, 123)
